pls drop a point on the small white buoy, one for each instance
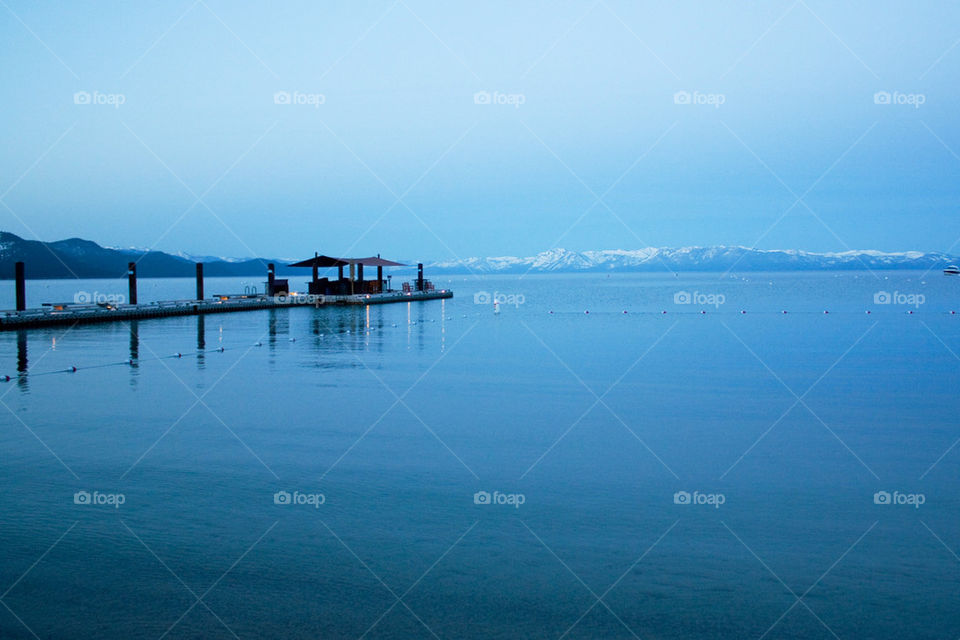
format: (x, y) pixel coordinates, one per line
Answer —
(259, 344)
(825, 311)
(293, 339)
(868, 311)
(743, 311)
(73, 369)
(587, 311)
(624, 310)
(784, 311)
(664, 311)
(702, 312)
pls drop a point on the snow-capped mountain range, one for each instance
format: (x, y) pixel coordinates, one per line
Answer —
(85, 259)
(718, 258)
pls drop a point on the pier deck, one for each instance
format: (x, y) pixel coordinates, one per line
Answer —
(68, 314)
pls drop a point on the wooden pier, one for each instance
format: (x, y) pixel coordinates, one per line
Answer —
(69, 314)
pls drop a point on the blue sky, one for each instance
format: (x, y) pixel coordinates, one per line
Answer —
(385, 146)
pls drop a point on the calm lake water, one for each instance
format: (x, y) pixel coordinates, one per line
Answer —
(440, 470)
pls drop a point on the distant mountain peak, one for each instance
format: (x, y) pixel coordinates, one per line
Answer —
(697, 258)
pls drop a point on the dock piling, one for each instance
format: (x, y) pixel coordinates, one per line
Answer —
(199, 281)
(271, 276)
(132, 282)
(21, 286)
(419, 276)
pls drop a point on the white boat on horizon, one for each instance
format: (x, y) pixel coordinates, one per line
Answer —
(952, 270)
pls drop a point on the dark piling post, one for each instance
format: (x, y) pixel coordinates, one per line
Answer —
(379, 278)
(419, 276)
(360, 276)
(270, 278)
(132, 282)
(21, 286)
(316, 270)
(199, 281)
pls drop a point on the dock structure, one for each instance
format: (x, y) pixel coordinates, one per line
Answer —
(321, 293)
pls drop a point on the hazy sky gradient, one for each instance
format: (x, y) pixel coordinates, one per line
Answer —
(598, 118)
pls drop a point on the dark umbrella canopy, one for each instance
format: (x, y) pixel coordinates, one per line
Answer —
(375, 261)
(327, 261)
(321, 261)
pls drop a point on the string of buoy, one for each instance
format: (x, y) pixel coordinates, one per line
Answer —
(178, 355)
(126, 363)
(182, 354)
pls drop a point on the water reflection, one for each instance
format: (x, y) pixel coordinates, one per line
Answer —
(134, 352)
(201, 341)
(22, 360)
